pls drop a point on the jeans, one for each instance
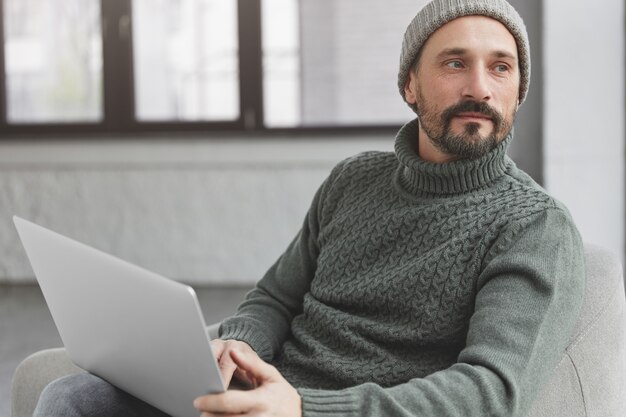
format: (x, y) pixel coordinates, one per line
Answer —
(87, 395)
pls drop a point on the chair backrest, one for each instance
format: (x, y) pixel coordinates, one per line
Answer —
(590, 380)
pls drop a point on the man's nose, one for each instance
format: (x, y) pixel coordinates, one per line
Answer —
(477, 85)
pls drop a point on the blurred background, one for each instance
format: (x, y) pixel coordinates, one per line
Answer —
(189, 136)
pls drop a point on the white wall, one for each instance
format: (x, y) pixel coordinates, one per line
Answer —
(202, 211)
(584, 114)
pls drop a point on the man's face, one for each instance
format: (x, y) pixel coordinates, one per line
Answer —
(466, 87)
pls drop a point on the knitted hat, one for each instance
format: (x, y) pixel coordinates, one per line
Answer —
(439, 12)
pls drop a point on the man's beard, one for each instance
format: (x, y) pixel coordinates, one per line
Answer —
(469, 144)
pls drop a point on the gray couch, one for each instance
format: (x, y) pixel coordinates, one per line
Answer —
(590, 380)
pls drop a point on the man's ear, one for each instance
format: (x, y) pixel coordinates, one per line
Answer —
(410, 88)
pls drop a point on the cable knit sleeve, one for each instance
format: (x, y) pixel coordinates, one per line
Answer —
(263, 319)
(529, 293)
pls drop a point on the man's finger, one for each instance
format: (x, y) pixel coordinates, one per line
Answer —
(221, 415)
(227, 368)
(254, 366)
(229, 402)
(217, 346)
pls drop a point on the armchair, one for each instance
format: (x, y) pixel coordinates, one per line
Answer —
(589, 381)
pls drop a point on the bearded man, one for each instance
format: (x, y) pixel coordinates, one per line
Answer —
(439, 280)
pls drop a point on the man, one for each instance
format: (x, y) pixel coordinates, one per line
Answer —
(436, 281)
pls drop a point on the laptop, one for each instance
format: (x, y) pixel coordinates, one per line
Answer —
(133, 328)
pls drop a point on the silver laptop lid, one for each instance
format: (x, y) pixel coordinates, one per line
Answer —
(137, 330)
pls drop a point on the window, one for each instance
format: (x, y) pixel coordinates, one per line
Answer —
(336, 61)
(186, 60)
(281, 63)
(155, 65)
(53, 61)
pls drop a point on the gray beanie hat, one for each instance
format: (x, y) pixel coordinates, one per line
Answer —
(439, 12)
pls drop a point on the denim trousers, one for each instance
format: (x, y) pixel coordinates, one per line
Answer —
(87, 395)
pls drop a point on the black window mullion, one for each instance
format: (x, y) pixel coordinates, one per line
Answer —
(250, 64)
(118, 86)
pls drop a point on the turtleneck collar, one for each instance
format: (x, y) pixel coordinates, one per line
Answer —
(422, 178)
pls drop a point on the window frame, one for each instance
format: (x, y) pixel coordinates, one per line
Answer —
(119, 89)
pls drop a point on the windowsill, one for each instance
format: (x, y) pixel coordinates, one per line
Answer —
(189, 150)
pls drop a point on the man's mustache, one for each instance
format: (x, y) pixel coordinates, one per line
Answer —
(473, 107)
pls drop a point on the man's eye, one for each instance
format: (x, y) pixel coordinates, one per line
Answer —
(455, 64)
(502, 68)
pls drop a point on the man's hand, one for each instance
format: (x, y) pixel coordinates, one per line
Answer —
(273, 395)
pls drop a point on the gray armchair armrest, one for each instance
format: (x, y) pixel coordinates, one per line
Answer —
(32, 376)
(590, 380)
(213, 331)
(43, 367)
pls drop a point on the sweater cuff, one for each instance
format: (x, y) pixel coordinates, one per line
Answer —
(245, 333)
(321, 403)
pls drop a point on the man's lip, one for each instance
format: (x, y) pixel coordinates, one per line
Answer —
(473, 116)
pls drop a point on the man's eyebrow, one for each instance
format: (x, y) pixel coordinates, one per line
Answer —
(463, 51)
(451, 51)
(504, 54)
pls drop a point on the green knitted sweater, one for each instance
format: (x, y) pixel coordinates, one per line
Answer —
(417, 289)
